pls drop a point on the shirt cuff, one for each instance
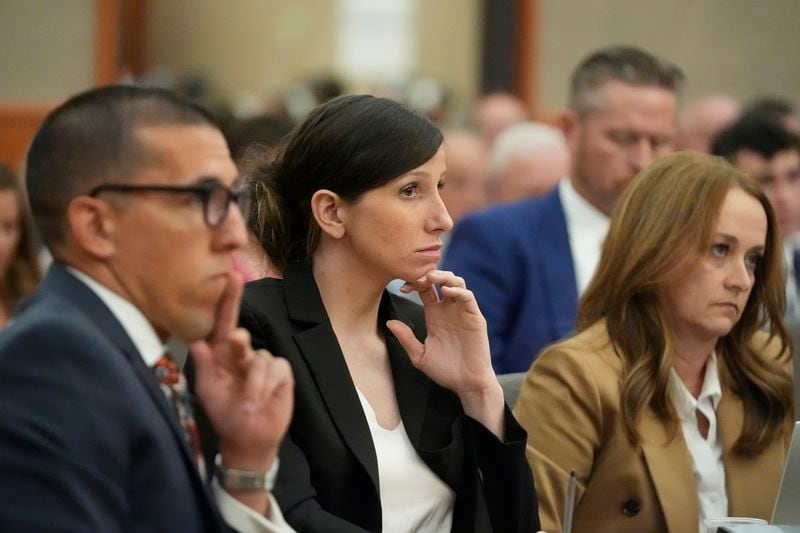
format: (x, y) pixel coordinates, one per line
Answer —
(244, 519)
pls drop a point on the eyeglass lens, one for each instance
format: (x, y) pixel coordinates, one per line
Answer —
(218, 203)
(216, 206)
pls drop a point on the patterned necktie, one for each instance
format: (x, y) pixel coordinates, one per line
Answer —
(173, 384)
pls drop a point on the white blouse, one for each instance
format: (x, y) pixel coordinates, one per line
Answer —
(413, 498)
(709, 470)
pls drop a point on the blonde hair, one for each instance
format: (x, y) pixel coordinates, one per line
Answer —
(663, 224)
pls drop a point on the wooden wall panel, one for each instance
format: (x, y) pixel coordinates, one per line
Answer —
(18, 123)
(115, 20)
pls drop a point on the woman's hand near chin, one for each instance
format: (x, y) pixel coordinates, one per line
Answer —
(456, 351)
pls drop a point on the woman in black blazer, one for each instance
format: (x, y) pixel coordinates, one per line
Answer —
(399, 421)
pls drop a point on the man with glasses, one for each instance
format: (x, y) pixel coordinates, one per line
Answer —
(132, 190)
(209, 192)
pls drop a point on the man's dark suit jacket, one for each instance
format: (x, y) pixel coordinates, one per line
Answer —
(516, 258)
(328, 478)
(87, 439)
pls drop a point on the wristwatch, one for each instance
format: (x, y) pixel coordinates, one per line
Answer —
(234, 479)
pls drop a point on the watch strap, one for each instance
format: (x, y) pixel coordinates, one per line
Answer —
(246, 480)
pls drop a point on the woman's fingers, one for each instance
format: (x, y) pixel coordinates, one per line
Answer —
(458, 293)
(425, 288)
(408, 341)
(426, 285)
(451, 286)
(445, 278)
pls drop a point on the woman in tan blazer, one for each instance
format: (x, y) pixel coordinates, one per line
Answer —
(670, 404)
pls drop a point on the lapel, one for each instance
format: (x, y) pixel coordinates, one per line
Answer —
(413, 390)
(320, 349)
(741, 471)
(671, 471)
(665, 454)
(730, 416)
(558, 270)
(63, 284)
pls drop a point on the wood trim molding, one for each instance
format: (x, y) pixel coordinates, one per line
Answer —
(18, 123)
(19, 120)
(526, 45)
(135, 35)
(107, 41)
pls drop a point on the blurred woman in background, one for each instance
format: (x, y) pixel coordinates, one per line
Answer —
(19, 269)
(675, 394)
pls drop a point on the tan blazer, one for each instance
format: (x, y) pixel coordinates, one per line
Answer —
(569, 404)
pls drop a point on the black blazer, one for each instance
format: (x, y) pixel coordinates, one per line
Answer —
(328, 478)
(88, 441)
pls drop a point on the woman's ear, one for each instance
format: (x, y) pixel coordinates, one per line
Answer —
(325, 208)
(91, 226)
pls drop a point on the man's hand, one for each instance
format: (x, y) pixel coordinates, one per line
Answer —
(247, 394)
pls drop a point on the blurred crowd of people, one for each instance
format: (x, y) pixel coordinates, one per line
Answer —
(634, 263)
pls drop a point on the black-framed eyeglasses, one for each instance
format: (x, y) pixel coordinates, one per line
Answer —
(215, 197)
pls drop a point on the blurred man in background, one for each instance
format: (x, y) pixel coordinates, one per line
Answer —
(527, 160)
(764, 148)
(467, 174)
(703, 119)
(494, 113)
(778, 110)
(528, 262)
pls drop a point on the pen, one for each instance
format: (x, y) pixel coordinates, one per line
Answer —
(569, 505)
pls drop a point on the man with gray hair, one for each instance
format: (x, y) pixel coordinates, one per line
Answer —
(527, 160)
(467, 173)
(527, 262)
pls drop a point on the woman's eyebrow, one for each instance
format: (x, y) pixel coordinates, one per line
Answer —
(728, 237)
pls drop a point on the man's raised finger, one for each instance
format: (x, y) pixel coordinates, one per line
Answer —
(228, 307)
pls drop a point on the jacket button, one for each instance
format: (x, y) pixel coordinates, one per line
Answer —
(631, 507)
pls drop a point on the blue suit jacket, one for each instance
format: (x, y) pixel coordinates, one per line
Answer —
(516, 259)
(87, 439)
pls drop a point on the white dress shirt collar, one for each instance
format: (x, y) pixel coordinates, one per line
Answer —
(587, 227)
(135, 324)
(685, 403)
(708, 466)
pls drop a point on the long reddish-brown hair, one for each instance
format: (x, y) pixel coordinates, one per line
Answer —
(662, 224)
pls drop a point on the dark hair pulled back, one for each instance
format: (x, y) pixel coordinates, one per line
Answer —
(349, 145)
